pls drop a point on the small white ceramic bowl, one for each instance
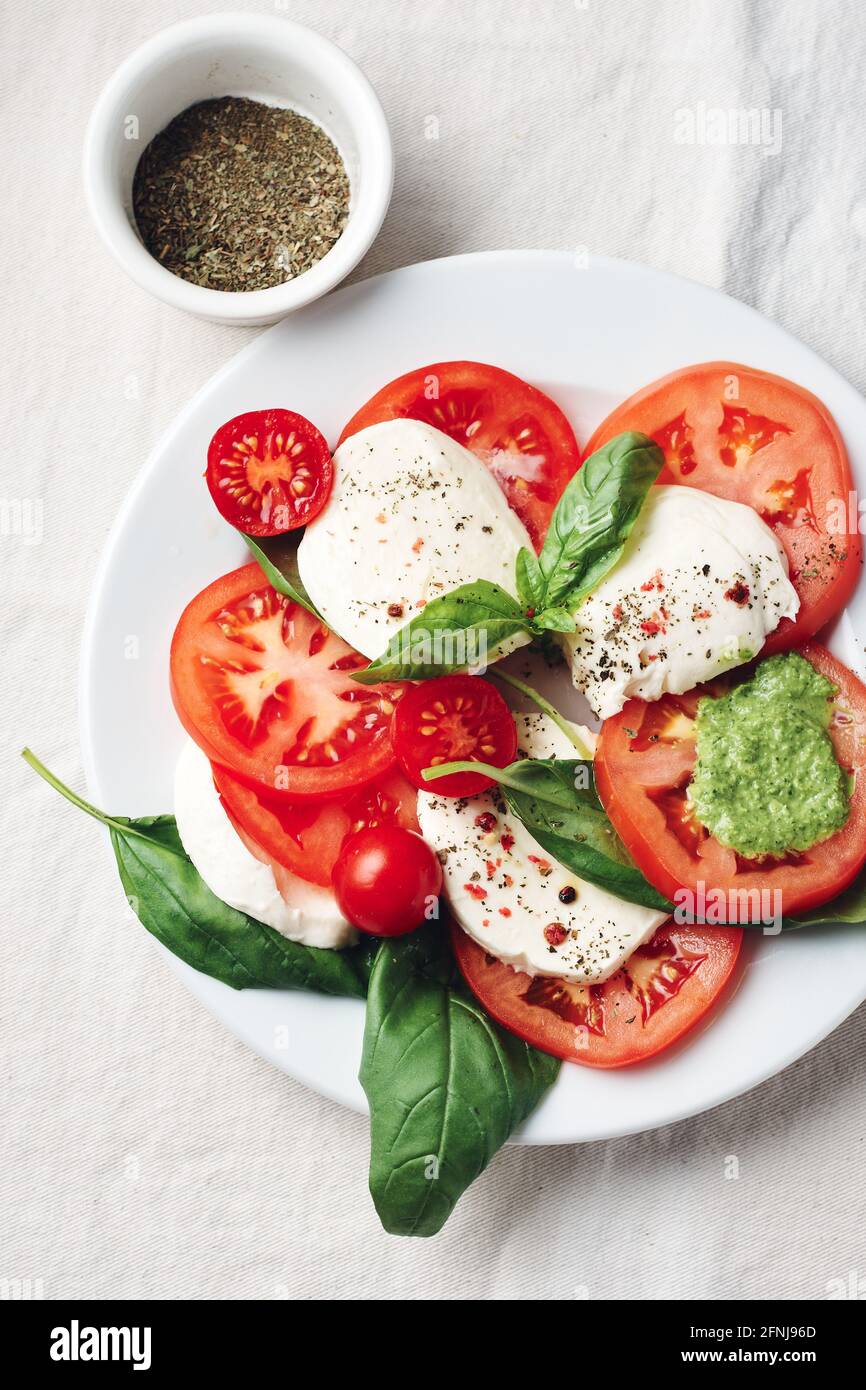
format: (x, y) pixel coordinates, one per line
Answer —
(271, 60)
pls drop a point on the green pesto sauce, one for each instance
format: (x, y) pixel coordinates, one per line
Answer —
(766, 779)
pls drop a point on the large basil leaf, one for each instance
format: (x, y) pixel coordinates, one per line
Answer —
(176, 906)
(623, 880)
(849, 906)
(446, 1085)
(557, 802)
(461, 630)
(591, 524)
(278, 559)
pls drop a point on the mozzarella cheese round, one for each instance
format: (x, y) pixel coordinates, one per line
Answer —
(304, 912)
(503, 887)
(700, 585)
(539, 736)
(411, 515)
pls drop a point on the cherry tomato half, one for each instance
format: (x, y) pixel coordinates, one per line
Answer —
(385, 880)
(453, 719)
(269, 471)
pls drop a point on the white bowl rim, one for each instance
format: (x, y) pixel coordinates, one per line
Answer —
(365, 217)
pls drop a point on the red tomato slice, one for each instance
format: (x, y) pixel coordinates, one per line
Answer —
(515, 429)
(286, 881)
(265, 689)
(453, 719)
(307, 838)
(751, 437)
(662, 992)
(643, 765)
(269, 471)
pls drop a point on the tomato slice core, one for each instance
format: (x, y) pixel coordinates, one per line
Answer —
(517, 431)
(269, 471)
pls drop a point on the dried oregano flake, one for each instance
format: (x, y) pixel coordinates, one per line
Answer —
(236, 195)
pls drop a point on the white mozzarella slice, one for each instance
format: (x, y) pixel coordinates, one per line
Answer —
(304, 912)
(504, 889)
(539, 736)
(701, 584)
(412, 514)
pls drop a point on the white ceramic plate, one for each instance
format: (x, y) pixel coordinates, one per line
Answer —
(588, 335)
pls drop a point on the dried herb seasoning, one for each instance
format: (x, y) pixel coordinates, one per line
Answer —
(237, 195)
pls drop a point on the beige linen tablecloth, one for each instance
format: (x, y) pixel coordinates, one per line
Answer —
(146, 1151)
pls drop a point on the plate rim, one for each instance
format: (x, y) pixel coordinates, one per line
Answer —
(87, 736)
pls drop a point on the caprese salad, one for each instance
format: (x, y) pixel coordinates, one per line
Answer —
(374, 800)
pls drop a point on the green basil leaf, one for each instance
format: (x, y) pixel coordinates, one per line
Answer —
(555, 620)
(278, 558)
(849, 906)
(594, 517)
(623, 880)
(462, 630)
(529, 579)
(560, 808)
(445, 1084)
(557, 802)
(176, 906)
(173, 902)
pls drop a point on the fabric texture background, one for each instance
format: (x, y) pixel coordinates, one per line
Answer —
(145, 1151)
